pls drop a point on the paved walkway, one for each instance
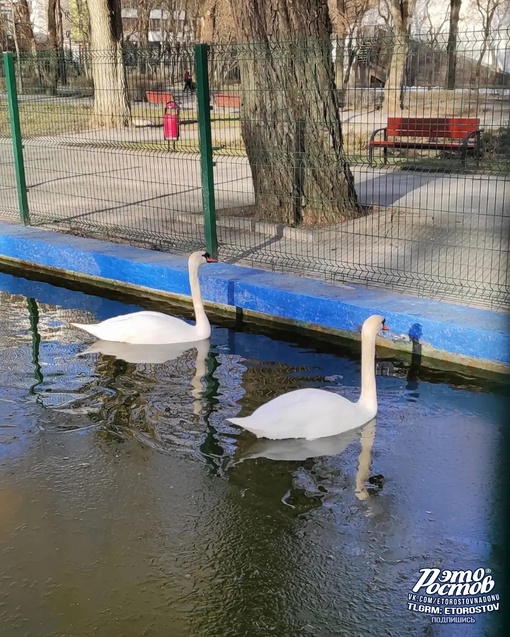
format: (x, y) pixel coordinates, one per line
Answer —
(444, 236)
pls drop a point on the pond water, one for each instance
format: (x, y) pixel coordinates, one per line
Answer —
(130, 507)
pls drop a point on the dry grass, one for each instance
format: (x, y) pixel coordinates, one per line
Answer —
(67, 116)
(443, 103)
(48, 119)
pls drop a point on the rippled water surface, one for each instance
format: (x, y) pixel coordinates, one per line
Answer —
(130, 507)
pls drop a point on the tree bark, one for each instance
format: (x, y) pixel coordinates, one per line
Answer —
(401, 12)
(290, 117)
(111, 103)
(143, 27)
(53, 52)
(451, 47)
(23, 25)
(208, 21)
(393, 94)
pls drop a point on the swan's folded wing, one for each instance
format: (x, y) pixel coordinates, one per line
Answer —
(128, 328)
(303, 413)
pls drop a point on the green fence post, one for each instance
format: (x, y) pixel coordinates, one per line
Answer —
(206, 159)
(17, 145)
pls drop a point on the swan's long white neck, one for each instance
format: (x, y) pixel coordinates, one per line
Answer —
(202, 326)
(368, 398)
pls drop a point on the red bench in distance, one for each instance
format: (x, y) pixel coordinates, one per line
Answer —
(435, 133)
(227, 99)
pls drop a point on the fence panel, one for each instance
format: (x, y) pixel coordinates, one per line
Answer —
(8, 194)
(92, 175)
(432, 217)
(295, 185)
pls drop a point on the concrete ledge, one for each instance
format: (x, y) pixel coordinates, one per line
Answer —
(474, 338)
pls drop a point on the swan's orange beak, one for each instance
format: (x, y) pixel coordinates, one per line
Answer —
(386, 328)
(211, 260)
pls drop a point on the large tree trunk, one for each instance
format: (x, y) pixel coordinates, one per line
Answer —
(393, 94)
(144, 11)
(111, 103)
(207, 35)
(208, 21)
(401, 12)
(451, 47)
(290, 117)
(53, 46)
(23, 26)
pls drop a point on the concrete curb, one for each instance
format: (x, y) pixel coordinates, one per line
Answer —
(447, 334)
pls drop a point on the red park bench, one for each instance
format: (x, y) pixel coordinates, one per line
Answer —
(435, 133)
(228, 99)
(159, 97)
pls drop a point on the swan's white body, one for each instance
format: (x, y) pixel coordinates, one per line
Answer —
(155, 328)
(316, 413)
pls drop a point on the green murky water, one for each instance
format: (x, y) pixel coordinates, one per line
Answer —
(130, 507)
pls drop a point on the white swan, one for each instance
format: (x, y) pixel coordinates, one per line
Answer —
(155, 328)
(315, 413)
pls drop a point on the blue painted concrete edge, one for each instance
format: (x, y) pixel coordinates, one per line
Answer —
(457, 331)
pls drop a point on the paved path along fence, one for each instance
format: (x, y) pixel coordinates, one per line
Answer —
(430, 226)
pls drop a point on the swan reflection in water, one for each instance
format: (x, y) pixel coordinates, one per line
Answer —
(157, 355)
(300, 449)
(150, 354)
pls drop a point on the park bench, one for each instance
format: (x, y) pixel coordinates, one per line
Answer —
(227, 99)
(428, 133)
(159, 97)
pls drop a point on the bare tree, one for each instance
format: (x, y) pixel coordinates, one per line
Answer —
(346, 17)
(4, 31)
(78, 17)
(23, 33)
(451, 47)
(217, 26)
(429, 30)
(487, 10)
(55, 42)
(23, 25)
(143, 24)
(290, 119)
(111, 104)
(401, 14)
(208, 21)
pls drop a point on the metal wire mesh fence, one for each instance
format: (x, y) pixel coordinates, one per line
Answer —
(302, 180)
(7, 178)
(96, 177)
(430, 215)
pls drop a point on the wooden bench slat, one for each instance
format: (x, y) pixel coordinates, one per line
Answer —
(451, 127)
(428, 133)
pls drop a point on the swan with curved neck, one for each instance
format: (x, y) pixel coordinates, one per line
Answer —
(316, 413)
(155, 328)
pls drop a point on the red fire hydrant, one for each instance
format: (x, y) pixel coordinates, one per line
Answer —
(171, 121)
